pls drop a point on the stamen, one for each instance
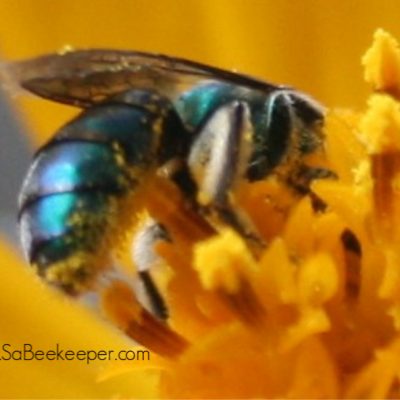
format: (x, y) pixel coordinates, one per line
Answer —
(167, 206)
(121, 305)
(226, 266)
(382, 64)
(385, 167)
(379, 127)
(246, 305)
(352, 258)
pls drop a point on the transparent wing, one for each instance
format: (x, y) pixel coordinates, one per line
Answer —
(87, 77)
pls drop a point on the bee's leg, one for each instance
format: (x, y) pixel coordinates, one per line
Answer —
(218, 159)
(301, 180)
(145, 259)
(305, 175)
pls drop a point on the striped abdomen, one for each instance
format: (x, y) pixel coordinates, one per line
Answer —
(71, 199)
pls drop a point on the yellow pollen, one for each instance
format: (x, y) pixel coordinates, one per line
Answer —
(380, 125)
(225, 266)
(318, 280)
(223, 262)
(382, 64)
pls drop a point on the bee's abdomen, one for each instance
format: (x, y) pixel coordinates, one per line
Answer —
(72, 195)
(68, 180)
(74, 166)
(57, 226)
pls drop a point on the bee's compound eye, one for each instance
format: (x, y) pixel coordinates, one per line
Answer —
(272, 135)
(310, 118)
(307, 109)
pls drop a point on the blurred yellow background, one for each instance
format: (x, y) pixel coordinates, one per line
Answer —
(314, 45)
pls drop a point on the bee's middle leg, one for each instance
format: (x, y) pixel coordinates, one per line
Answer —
(145, 258)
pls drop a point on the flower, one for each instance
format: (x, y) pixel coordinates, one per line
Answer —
(317, 313)
(260, 322)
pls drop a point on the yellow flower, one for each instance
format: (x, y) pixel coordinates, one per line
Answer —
(317, 313)
(314, 315)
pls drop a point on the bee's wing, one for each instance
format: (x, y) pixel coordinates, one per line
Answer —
(87, 77)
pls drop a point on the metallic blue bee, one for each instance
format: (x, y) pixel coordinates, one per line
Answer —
(140, 112)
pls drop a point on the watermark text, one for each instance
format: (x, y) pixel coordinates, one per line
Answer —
(28, 353)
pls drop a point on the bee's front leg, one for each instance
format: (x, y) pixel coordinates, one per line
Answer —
(305, 175)
(218, 159)
(302, 179)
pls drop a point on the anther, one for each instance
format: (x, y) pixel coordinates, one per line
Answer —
(122, 307)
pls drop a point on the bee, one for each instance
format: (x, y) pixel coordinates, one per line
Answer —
(140, 112)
